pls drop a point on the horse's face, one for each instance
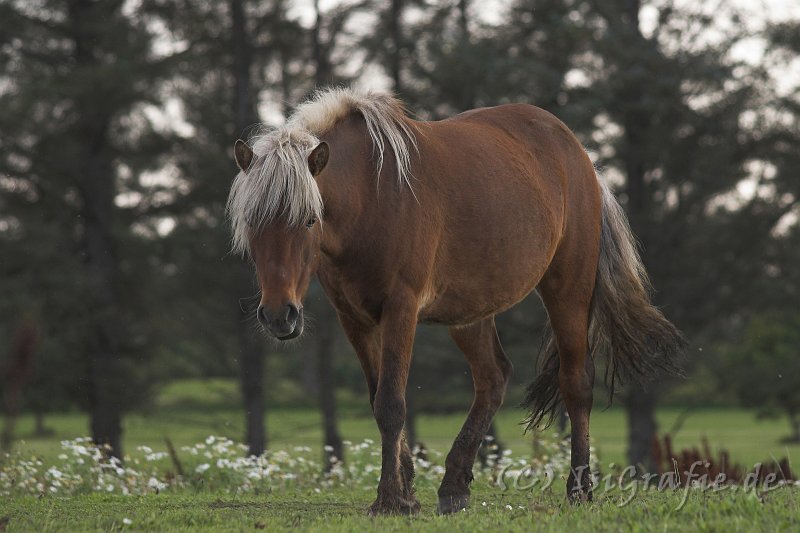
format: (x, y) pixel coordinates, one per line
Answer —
(286, 254)
(285, 259)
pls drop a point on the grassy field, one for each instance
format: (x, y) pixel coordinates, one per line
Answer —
(343, 510)
(187, 413)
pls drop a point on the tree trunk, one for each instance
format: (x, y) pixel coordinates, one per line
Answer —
(40, 429)
(396, 36)
(562, 419)
(105, 377)
(251, 354)
(96, 186)
(105, 410)
(243, 107)
(310, 374)
(463, 18)
(467, 89)
(251, 367)
(326, 336)
(640, 406)
(323, 72)
(794, 421)
(639, 402)
(15, 376)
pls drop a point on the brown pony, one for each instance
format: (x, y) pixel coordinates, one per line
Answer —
(447, 222)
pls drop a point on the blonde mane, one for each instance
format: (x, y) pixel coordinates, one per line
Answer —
(278, 183)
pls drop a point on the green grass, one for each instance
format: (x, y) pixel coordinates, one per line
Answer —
(344, 510)
(188, 412)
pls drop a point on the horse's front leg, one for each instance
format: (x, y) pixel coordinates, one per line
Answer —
(395, 493)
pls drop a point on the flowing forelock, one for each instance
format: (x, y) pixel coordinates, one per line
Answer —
(278, 183)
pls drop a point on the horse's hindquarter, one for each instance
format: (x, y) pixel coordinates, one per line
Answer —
(498, 177)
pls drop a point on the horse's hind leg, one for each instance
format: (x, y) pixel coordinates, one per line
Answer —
(490, 372)
(568, 301)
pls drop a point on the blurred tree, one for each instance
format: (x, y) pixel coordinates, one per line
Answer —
(779, 162)
(258, 55)
(462, 62)
(389, 44)
(251, 353)
(673, 110)
(763, 370)
(326, 334)
(233, 46)
(15, 376)
(76, 74)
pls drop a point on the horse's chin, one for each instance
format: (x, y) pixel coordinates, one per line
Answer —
(293, 335)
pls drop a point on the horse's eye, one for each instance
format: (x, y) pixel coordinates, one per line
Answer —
(311, 222)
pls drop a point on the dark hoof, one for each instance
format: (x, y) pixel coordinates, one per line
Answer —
(393, 506)
(579, 496)
(453, 504)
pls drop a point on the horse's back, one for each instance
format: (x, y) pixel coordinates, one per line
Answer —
(505, 181)
(520, 127)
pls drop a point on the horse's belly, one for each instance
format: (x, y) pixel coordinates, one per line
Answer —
(489, 280)
(454, 310)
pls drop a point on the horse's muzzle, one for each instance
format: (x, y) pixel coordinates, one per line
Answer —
(285, 324)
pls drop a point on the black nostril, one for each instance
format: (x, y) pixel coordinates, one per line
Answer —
(291, 314)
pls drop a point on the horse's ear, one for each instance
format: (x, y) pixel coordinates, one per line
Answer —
(243, 155)
(318, 158)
